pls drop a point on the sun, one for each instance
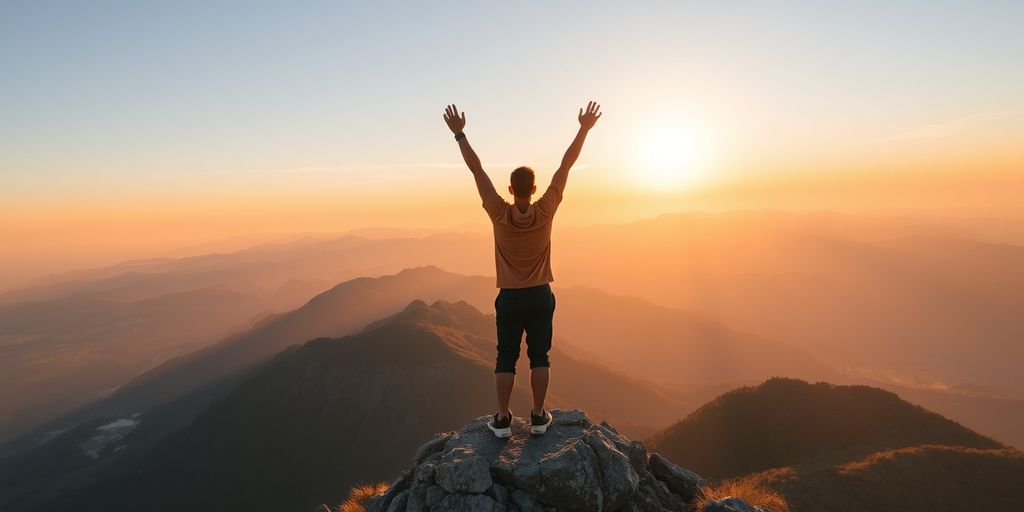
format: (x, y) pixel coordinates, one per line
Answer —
(672, 158)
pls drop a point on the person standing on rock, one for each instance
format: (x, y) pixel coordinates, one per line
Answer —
(522, 257)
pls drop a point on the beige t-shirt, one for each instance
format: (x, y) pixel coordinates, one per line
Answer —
(522, 240)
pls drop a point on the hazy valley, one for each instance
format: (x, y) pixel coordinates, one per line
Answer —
(188, 363)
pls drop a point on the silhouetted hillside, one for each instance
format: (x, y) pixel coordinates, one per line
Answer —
(786, 422)
(313, 421)
(170, 395)
(933, 478)
(75, 367)
(344, 309)
(334, 412)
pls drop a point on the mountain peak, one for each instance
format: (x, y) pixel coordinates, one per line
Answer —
(452, 315)
(451, 310)
(424, 270)
(577, 465)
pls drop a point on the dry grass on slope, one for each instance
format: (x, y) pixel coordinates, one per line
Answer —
(358, 495)
(746, 489)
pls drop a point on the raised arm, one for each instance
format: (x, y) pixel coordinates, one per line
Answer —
(587, 120)
(456, 122)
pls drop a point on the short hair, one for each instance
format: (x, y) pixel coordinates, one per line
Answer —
(522, 181)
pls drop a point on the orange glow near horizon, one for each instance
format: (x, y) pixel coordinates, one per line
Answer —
(50, 237)
(658, 169)
(143, 141)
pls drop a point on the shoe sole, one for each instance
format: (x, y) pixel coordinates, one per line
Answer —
(500, 433)
(540, 429)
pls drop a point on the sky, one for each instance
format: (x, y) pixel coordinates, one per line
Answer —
(129, 128)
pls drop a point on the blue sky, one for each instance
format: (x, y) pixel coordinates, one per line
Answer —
(128, 128)
(133, 91)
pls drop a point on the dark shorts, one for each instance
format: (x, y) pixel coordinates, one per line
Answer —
(524, 309)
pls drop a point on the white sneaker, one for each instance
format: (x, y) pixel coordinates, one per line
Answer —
(501, 428)
(540, 424)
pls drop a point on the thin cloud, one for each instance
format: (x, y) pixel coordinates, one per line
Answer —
(488, 165)
(326, 169)
(951, 127)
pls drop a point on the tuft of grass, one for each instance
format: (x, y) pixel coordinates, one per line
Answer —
(745, 489)
(357, 496)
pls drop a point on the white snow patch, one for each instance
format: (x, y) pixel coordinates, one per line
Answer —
(109, 433)
(51, 435)
(119, 424)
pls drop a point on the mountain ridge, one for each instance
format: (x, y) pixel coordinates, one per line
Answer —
(845, 449)
(783, 422)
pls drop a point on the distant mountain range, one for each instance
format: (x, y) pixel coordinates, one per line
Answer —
(902, 302)
(923, 304)
(265, 268)
(672, 345)
(62, 354)
(299, 425)
(701, 351)
(921, 301)
(75, 337)
(120, 361)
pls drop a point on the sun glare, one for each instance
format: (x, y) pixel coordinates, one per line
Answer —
(672, 158)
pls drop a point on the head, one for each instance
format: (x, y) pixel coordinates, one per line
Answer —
(522, 182)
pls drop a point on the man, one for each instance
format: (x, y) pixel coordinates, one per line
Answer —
(522, 257)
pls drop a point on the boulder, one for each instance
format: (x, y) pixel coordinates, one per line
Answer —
(470, 503)
(463, 471)
(576, 466)
(685, 483)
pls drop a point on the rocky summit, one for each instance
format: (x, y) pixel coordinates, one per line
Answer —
(576, 465)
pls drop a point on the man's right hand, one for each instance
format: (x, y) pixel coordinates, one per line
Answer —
(588, 118)
(452, 118)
